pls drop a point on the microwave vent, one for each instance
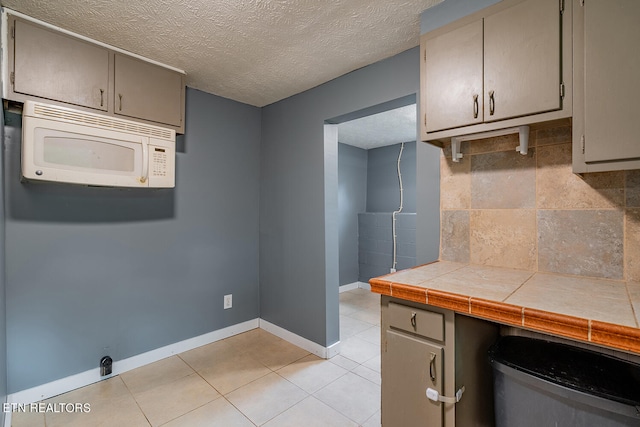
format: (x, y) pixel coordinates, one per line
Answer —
(47, 111)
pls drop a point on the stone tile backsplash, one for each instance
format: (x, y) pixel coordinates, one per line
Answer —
(582, 242)
(500, 208)
(502, 180)
(503, 238)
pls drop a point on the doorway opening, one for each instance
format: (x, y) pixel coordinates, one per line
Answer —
(376, 162)
(370, 173)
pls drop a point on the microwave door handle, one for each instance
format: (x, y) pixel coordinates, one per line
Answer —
(145, 162)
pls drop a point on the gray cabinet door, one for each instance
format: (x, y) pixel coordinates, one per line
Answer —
(522, 73)
(453, 78)
(611, 89)
(55, 66)
(406, 374)
(147, 91)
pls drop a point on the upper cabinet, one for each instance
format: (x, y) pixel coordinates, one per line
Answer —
(507, 65)
(522, 60)
(606, 129)
(453, 67)
(147, 91)
(53, 66)
(44, 63)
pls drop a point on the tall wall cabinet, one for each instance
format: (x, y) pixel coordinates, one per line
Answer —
(606, 129)
(506, 65)
(429, 347)
(44, 63)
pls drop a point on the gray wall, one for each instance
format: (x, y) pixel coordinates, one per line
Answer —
(298, 200)
(383, 187)
(375, 243)
(95, 271)
(352, 199)
(368, 182)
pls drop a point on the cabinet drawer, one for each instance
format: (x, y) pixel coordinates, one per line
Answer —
(421, 322)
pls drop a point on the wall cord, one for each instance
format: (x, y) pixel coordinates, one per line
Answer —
(395, 237)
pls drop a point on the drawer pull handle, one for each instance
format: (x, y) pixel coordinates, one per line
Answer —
(492, 103)
(413, 318)
(475, 106)
(432, 367)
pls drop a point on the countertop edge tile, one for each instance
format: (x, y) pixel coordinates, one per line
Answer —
(380, 286)
(556, 324)
(499, 311)
(456, 302)
(618, 336)
(621, 337)
(409, 292)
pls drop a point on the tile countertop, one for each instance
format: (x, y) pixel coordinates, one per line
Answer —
(599, 311)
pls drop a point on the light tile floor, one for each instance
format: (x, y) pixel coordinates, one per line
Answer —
(251, 379)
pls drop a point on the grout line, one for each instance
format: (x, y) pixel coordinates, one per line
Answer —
(533, 273)
(537, 204)
(270, 370)
(134, 399)
(633, 310)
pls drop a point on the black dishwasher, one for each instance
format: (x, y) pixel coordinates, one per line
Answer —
(539, 383)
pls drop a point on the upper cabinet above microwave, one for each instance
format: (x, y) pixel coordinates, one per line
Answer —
(52, 65)
(44, 63)
(506, 65)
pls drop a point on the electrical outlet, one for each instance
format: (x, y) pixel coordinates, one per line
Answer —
(228, 301)
(106, 364)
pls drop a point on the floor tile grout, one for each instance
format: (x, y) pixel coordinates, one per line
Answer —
(249, 378)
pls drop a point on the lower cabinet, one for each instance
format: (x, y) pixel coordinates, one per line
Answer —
(425, 347)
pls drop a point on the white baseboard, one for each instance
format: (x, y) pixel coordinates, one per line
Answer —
(349, 287)
(364, 285)
(355, 285)
(91, 376)
(310, 346)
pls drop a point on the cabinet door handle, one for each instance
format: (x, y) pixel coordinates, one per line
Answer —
(492, 103)
(120, 97)
(432, 366)
(413, 318)
(475, 106)
(101, 97)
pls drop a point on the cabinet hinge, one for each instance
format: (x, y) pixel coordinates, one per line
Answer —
(562, 90)
(561, 6)
(582, 143)
(424, 55)
(12, 77)
(13, 31)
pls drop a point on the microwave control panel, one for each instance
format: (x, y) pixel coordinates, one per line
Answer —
(159, 162)
(161, 167)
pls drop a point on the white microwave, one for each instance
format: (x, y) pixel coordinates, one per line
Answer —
(61, 144)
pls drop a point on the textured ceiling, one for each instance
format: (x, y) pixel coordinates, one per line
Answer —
(378, 130)
(252, 51)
